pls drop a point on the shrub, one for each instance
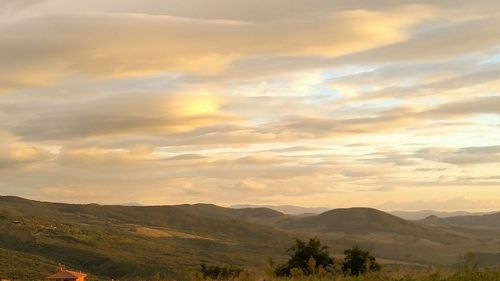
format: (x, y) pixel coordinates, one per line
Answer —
(358, 262)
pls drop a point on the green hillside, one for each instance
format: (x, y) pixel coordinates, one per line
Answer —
(354, 220)
(119, 241)
(135, 242)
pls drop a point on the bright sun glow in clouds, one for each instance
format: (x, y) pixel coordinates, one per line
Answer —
(315, 103)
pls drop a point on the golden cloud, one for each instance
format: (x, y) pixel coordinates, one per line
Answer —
(38, 50)
(18, 154)
(124, 114)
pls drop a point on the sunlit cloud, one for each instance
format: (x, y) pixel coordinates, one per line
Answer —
(316, 103)
(131, 44)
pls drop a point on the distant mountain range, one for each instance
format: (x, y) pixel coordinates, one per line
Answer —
(286, 209)
(407, 215)
(127, 242)
(419, 215)
(488, 220)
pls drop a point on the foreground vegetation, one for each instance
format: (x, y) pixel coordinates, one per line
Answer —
(311, 261)
(431, 275)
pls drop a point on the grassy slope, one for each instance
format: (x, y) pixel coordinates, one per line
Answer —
(355, 220)
(103, 239)
(125, 242)
(22, 266)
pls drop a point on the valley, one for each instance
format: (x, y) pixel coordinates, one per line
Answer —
(138, 241)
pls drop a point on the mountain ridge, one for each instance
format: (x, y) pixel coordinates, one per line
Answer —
(286, 209)
(485, 220)
(113, 241)
(355, 220)
(422, 214)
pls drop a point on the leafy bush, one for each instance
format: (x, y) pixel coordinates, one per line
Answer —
(358, 262)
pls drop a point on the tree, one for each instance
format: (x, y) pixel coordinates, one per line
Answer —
(358, 262)
(307, 257)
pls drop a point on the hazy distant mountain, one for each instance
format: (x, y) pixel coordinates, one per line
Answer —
(131, 204)
(286, 209)
(419, 215)
(488, 220)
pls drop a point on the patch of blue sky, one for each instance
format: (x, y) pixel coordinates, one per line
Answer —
(321, 94)
(347, 71)
(379, 103)
(487, 119)
(491, 60)
(324, 91)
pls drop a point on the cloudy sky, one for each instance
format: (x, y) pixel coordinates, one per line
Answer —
(389, 104)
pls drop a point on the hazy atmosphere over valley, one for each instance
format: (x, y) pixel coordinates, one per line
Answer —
(393, 105)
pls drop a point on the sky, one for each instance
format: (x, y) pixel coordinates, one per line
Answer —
(387, 104)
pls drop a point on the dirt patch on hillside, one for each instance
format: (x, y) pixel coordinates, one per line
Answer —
(164, 232)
